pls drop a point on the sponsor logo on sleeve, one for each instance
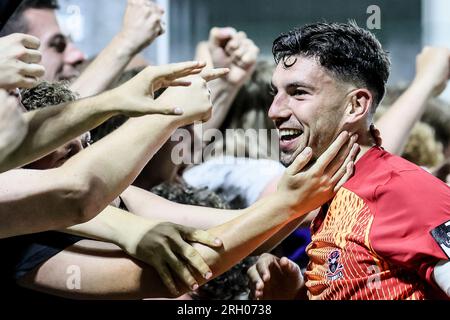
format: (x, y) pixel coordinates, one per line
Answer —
(441, 235)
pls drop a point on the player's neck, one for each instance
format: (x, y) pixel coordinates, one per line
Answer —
(363, 151)
(366, 142)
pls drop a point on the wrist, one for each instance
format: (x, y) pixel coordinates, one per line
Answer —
(223, 85)
(283, 204)
(125, 45)
(424, 86)
(132, 232)
(108, 103)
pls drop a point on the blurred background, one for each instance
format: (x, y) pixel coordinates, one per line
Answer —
(404, 25)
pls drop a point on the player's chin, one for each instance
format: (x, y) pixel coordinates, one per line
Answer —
(286, 158)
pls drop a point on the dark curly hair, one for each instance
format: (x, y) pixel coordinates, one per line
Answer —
(232, 284)
(47, 94)
(349, 52)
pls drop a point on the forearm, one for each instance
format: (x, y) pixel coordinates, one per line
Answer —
(111, 225)
(51, 127)
(274, 241)
(242, 235)
(110, 165)
(39, 200)
(151, 206)
(105, 68)
(409, 108)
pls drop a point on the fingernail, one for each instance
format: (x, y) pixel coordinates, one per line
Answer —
(308, 151)
(178, 110)
(218, 241)
(208, 275)
(194, 286)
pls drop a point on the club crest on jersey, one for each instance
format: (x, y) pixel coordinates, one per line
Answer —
(441, 235)
(335, 268)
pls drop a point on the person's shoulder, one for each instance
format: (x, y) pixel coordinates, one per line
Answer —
(411, 191)
(410, 180)
(383, 177)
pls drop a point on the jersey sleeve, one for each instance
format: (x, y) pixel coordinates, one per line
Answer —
(411, 226)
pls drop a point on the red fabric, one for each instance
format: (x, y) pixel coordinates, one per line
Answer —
(379, 223)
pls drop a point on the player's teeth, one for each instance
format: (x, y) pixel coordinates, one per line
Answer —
(289, 132)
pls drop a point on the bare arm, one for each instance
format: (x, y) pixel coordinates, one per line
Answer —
(141, 26)
(441, 275)
(13, 127)
(159, 244)
(107, 273)
(432, 74)
(35, 200)
(151, 206)
(51, 127)
(231, 49)
(119, 278)
(90, 178)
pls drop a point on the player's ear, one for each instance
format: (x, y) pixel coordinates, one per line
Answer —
(359, 102)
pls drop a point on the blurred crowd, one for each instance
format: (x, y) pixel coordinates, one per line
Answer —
(126, 180)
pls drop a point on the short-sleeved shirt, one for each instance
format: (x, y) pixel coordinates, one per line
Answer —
(382, 234)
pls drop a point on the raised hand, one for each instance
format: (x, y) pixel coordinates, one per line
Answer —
(167, 247)
(19, 58)
(142, 24)
(307, 189)
(234, 50)
(272, 278)
(135, 97)
(195, 99)
(433, 69)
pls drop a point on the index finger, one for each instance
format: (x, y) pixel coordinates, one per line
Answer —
(201, 236)
(332, 151)
(30, 42)
(177, 70)
(212, 74)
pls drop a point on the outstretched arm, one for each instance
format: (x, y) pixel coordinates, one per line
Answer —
(153, 242)
(432, 74)
(298, 193)
(51, 127)
(91, 179)
(141, 26)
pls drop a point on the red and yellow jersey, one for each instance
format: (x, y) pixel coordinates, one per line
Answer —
(382, 234)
